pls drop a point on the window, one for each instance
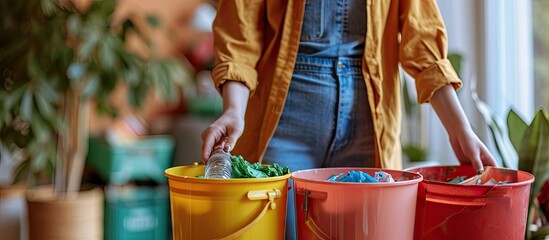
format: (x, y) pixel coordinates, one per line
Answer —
(540, 23)
(509, 56)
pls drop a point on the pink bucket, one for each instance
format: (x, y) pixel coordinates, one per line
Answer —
(341, 210)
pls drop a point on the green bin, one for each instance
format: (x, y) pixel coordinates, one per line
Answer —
(137, 213)
(143, 159)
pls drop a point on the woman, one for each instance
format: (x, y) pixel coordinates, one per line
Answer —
(314, 83)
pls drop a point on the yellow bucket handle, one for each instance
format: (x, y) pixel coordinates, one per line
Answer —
(309, 220)
(270, 194)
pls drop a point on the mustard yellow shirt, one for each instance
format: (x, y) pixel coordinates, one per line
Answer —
(256, 43)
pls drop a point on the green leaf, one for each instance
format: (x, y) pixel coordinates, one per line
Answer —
(164, 83)
(40, 130)
(516, 127)
(92, 84)
(107, 56)
(456, 60)
(137, 94)
(104, 108)
(530, 147)
(44, 106)
(52, 154)
(22, 171)
(2, 125)
(58, 124)
(39, 162)
(27, 106)
(49, 7)
(414, 153)
(74, 24)
(64, 56)
(503, 145)
(132, 75)
(534, 154)
(34, 67)
(88, 45)
(46, 90)
(14, 97)
(180, 75)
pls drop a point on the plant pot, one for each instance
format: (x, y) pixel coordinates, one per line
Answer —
(52, 218)
(12, 212)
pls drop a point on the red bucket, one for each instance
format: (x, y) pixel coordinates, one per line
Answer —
(454, 211)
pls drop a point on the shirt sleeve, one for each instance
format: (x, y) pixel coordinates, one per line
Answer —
(423, 48)
(238, 38)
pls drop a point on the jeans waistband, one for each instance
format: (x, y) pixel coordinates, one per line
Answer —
(328, 63)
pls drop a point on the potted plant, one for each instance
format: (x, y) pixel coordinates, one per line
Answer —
(56, 58)
(531, 142)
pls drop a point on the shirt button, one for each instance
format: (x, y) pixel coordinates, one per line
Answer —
(340, 64)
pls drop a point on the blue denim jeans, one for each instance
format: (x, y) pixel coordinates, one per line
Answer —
(333, 28)
(326, 121)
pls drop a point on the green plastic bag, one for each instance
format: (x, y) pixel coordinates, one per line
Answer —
(243, 169)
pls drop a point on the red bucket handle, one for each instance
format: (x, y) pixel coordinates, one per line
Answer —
(455, 200)
(479, 198)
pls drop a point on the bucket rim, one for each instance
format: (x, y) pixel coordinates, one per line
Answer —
(514, 184)
(370, 184)
(169, 173)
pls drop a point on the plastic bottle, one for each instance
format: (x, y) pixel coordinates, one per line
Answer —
(218, 165)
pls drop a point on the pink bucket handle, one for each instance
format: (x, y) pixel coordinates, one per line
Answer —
(312, 194)
(316, 230)
(309, 220)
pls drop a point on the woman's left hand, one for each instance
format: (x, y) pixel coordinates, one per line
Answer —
(466, 144)
(470, 150)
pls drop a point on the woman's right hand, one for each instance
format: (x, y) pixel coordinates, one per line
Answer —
(223, 134)
(226, 130)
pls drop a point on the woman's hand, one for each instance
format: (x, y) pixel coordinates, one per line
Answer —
(226, 130)
(466, 144)
(222, 134)
(470, 150)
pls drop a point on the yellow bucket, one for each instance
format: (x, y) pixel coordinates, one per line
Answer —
(252, 208)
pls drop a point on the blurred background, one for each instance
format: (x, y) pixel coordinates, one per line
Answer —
(499, 49)
(109, 59)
